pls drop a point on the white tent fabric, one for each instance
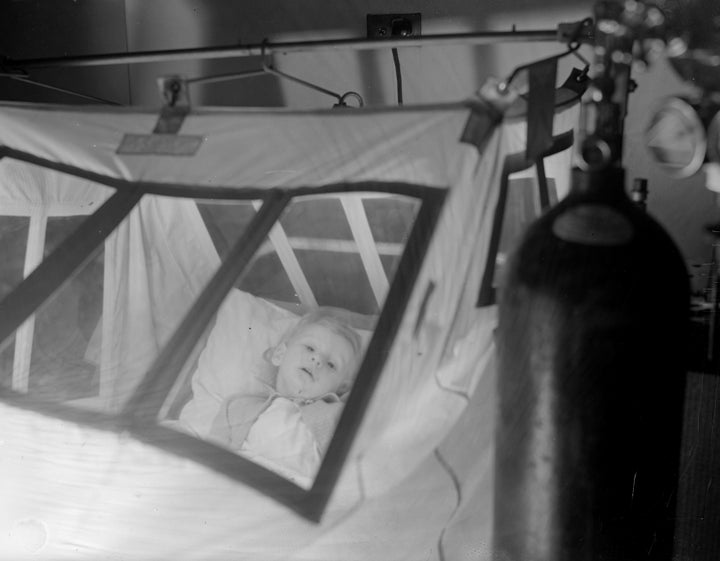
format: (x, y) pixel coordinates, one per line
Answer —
(418, 480)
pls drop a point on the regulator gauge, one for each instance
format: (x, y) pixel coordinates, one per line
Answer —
(676, 138)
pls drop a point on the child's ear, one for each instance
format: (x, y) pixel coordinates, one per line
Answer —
(276, 354)
(346, 385)
(344, 390)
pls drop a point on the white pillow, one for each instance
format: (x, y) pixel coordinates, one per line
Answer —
(232, 360)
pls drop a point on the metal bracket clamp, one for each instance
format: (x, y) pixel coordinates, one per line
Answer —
(176, 104)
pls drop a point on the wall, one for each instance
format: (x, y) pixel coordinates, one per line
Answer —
(30, 29)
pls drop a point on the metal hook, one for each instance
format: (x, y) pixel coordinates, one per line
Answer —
(344, 96)
(270, 69)
(504, 85)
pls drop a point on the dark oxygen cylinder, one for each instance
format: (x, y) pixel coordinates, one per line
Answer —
(593, 318)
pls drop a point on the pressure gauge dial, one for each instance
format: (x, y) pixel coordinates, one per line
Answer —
(676, 138)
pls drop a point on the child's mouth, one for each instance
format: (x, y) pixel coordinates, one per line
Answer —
(308, 372)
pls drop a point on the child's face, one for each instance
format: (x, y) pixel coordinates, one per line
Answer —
(314, 362)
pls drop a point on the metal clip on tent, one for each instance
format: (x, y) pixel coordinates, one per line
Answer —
(174, 93)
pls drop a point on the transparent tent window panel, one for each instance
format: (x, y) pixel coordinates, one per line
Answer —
(66, 341)
(226, 221)
(57, 229)
(266, 277)
(390, 217)
(338, 279)
(320, 252)
(13, 240)
(301, 219)
(65, 358)
(390, 264)
(7, 356)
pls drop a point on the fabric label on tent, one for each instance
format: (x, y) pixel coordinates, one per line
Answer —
(160, 144)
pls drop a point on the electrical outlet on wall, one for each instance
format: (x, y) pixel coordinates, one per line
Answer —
(393, 26)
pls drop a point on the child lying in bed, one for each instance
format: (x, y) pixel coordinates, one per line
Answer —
(290, 425)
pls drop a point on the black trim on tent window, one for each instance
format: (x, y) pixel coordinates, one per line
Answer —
(140, 414)
(147, 187)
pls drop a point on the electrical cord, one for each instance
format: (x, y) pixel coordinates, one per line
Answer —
(398, 75)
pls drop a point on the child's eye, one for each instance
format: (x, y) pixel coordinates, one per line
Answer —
(331, 365)
(310, 348)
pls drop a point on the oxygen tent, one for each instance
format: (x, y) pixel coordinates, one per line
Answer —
(145, 276)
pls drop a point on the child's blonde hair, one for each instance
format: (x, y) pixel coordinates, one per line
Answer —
(331, 319)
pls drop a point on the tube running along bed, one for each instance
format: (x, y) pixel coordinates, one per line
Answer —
(145, 273)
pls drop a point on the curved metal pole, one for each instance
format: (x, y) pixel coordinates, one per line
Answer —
(236, 51)
(62, 90)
